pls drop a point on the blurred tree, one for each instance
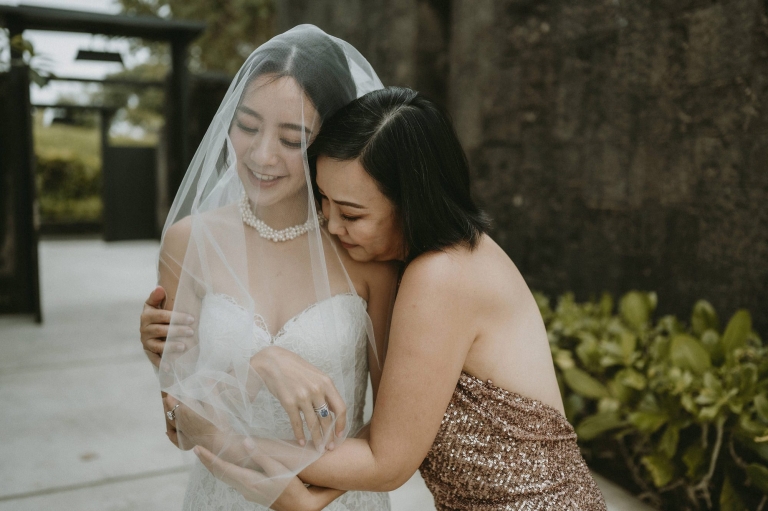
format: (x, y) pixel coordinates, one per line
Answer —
(39, 63)
(143, 106)
(235, 28)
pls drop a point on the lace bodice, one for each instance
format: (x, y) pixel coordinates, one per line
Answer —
(219, 346)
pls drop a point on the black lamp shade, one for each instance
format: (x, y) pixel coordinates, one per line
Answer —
(100, 56)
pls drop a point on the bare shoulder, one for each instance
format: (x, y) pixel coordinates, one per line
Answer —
(381, 275)
(469, 277)
(443, 268)
(372, 276)
(439, 275)
(176, 237)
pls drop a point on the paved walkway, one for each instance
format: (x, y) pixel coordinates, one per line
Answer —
(82, 425)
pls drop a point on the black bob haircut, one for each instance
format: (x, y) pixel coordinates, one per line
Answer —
(407, 144)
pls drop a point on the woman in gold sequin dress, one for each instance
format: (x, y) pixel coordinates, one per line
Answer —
(468, 392)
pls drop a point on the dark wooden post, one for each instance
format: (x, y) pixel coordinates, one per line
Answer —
(21, 162)
(178, 116)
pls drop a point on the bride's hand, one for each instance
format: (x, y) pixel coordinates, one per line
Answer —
(156, 326)
(262, 487)
(297, 384)
(302, 387)
(190, 428)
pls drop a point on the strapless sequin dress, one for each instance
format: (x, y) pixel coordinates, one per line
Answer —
(497, 450)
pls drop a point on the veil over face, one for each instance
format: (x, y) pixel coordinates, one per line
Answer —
(254, 265)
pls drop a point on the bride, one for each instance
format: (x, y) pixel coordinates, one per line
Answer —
(273, 326)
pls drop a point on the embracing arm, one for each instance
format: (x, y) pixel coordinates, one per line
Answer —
(433, 327)
(382, 289)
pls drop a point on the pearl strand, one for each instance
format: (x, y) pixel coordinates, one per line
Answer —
(266, 232)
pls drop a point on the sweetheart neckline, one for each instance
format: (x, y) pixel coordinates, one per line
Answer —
(261, 323)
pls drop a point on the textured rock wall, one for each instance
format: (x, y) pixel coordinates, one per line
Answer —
(617, 145)
(621, 145)
(406, 41)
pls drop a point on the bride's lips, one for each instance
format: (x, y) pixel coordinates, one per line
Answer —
(263, 180)
(347, 246)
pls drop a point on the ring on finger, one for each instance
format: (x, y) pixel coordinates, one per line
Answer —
(322, 410)
(171, 414)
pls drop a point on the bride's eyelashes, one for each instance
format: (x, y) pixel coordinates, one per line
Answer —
(252, 131)
(245, 128)
(292, 145)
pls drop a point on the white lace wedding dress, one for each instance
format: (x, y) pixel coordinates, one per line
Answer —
(299, 335)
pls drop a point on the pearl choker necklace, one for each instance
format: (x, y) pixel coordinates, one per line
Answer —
(269, 233)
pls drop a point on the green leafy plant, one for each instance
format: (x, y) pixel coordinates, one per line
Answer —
(68, 190)
(678, 412)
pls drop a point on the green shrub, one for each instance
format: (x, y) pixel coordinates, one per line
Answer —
(68, 190)
(678, 410)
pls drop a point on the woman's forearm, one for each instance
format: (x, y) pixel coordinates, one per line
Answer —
(324, 496)
(353, 466)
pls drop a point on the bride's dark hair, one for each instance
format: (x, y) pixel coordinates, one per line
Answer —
(407, 144)
(310, 57)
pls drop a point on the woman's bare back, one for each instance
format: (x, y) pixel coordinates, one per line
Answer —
(511, 347)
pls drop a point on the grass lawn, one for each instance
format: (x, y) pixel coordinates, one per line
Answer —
(73, 144)
(68, 142)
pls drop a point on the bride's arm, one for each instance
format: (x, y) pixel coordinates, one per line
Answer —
(433, 327)
(169, 269)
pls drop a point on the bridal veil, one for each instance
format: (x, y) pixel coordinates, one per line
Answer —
(245, 240)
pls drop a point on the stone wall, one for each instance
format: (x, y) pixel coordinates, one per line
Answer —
(406, 41)
(617, 145)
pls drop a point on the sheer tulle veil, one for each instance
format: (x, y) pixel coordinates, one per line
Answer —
(244, 232)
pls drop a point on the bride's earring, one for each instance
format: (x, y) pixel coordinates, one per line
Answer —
(321, 217)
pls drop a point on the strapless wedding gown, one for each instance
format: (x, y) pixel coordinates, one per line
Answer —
(300, 335)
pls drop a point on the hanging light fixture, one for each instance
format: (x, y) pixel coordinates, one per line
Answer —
(99, 56)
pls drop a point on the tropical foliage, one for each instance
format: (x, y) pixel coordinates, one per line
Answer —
(677, 410)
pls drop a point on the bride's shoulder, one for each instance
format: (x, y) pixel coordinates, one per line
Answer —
(373, 275)
(179, 232)
(177, 235)
(382, 275)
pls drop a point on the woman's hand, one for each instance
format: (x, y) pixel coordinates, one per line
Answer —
(156, 326)
(170, 425)
(190, 429)
(302, 387)
(262, 489)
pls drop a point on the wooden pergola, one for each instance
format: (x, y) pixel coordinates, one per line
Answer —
(19, 278)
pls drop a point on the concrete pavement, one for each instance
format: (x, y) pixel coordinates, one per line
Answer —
(82, 425)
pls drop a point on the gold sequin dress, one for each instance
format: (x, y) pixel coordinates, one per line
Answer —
(497, 450)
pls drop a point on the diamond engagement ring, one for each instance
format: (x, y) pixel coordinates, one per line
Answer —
(322, 410)
(171, 414)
